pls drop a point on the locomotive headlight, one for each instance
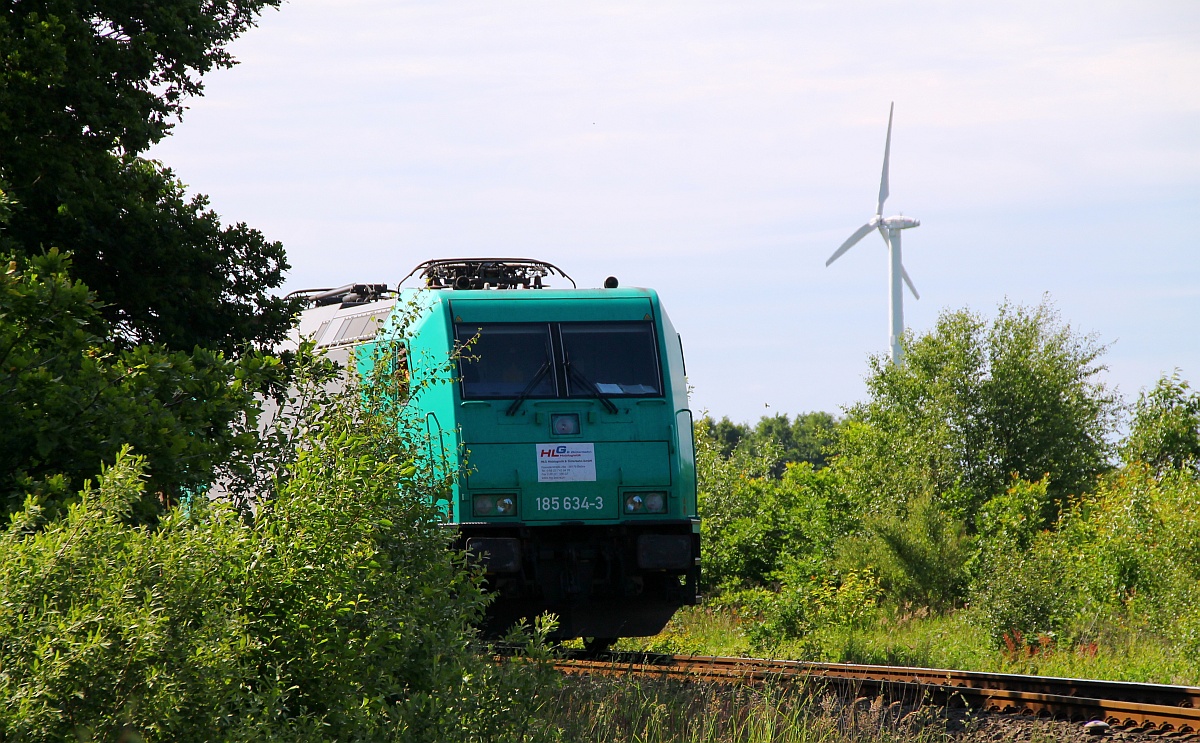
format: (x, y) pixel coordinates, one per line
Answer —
(564, 424)
(494, 505)
(652, 502)
(485, 505)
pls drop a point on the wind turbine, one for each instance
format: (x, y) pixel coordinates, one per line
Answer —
(889, 228)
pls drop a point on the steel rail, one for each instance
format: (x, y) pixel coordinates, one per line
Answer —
(1159, 708)
(1161, 694)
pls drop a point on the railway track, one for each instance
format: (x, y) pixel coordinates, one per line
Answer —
(1160, 709)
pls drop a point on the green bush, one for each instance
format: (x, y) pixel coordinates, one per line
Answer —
(1124, 558)
(775, 522)
(333, 611)
(1133, 548)
(1165, 431)
(806, 605)
(1023, 595)
(976, 403)
(1014, 518)
(921, 554)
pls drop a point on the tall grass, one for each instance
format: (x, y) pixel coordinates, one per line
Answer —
(645, 710)
(695, 631)
(953, 640)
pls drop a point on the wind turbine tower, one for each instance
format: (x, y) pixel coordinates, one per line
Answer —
(889, 228)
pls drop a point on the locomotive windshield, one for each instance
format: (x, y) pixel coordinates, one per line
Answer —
(506, 359)
(617, 358)
(585, 359)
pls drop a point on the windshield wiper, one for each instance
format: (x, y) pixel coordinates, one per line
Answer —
(516, 404)
(571, 372)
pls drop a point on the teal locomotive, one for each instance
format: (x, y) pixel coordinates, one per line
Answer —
(565, 423)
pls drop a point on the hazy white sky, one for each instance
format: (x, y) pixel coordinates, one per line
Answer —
(719, 153)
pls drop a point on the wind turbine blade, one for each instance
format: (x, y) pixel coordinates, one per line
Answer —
(887, 153)
(859, 234)
(908, 281)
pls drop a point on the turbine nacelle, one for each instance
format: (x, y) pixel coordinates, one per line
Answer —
(899, 223)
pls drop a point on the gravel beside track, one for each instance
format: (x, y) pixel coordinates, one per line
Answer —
(992, 727)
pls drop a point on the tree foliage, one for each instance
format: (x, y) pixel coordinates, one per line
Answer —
(1165, 432)
(86, 86)
(108, 348)
(975, 404)
(805, 439)
(974, 479)
(920, 554)
(1125, 556)
(70, 400)
(754, 524)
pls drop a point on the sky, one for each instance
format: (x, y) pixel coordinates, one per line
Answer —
(720, 152)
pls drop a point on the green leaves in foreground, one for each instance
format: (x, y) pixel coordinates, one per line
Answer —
(334, 611)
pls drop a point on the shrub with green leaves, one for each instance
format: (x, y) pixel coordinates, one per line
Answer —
(1012, 519)
(754, 523)
(1024, 594)
(335, 610)
(921, 554)
(1165, 432)
(1134, 550)
(1126, 557)
(808, 604)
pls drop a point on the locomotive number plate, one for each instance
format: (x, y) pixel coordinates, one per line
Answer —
(568, 503)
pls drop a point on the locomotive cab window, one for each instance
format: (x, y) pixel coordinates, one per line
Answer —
(618, 359)
(506, 360)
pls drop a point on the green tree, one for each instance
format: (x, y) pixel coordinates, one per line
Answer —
(69, 400)
(1165, 432)
(805, 439)
(1124, 558)
(86, 87)
(921, 554)
(813, 434)
(975, 404)
(726, 434)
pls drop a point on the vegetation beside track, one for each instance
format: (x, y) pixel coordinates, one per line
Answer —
(953, 640)
(333, 609)
(979, 511)
(646, 710)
